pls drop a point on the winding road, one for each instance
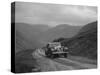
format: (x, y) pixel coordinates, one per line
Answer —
(59, 64)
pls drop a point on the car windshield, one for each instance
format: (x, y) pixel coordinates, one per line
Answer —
(54, 45)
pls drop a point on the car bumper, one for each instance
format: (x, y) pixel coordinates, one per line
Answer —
(59, 52)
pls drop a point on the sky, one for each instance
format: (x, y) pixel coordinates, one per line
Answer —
(54, 14)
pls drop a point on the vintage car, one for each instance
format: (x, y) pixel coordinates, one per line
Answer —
(55, 50)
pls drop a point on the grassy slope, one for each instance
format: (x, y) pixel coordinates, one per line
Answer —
(22, 43)
(60, 31)
(85, 43)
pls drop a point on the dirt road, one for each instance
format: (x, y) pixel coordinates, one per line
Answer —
(58, 64)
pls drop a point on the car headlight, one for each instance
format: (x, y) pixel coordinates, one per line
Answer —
(65, 48)
(52, 49)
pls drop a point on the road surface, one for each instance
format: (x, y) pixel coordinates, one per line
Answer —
(59, 64)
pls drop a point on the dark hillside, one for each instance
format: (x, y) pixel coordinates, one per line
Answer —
(85, 43)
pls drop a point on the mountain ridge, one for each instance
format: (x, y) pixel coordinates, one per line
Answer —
(62, 30)
(85, 43)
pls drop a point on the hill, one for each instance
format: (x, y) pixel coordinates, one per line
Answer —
(29, 30)
(22, 43)
(62, 30)
(85, 42)
(26, 36)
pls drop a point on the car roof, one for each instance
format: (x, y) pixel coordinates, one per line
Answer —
(54, 43)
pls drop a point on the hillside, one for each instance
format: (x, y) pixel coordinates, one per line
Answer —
(26, 36)
(85, 42)
(43, 33)
(62, 30)
(31, 31)
(89, 28)
(22, 43)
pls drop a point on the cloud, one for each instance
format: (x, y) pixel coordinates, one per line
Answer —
(53, 14)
